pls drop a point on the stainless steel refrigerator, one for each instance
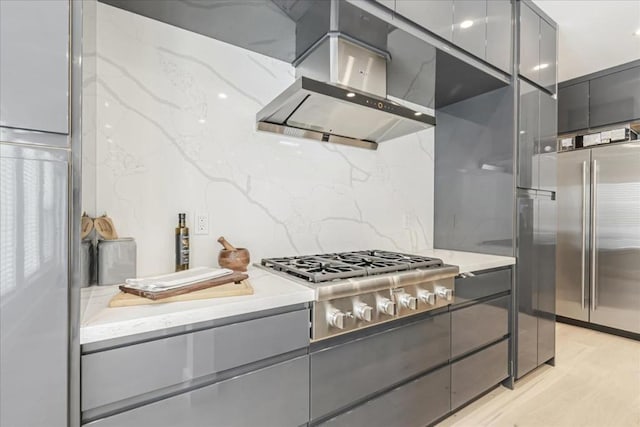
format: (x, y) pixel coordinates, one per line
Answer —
(598, 273)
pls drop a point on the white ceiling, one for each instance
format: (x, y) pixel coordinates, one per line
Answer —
(594, 34)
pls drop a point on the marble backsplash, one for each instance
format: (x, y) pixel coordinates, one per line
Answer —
(175, 132)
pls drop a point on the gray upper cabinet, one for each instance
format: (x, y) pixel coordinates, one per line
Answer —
(528, 135)
(548, 63)
(499, 34)
(547, 143)
(34, 65)
(614, 98)
(469, 26)
(573, 107)
(537, 49)
(434, 15)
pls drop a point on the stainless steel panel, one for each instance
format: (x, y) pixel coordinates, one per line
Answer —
(548, 57)
(124, 372)
(529, 43)
(573, 198)
(34, 280)
(348, 372)
(479, 372)
(482, 285)
(528, 136)
(470, 26)
(616, 218)
(614, 98)
(434, 15)
(499, 40)
(277, 395)
(545, 242)
(547, 144)
(479, 324)
(416, 404)
(573, 107)
(34, 65)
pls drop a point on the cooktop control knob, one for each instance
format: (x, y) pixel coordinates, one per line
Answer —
(408, 301)
(445, 293)
(363, 311)
(387, 306)
(427, 297)
(336, 319)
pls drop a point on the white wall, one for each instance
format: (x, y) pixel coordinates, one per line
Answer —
(166, 143)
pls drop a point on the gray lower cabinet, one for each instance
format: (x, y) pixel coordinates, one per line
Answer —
(415, 404)
(34, 65)
(614, 98)
(475, 374)
(125, 372)
(482, 285)
(434, 15)
(573, 107)
(275, 396)
(479, 324)
(348, 372)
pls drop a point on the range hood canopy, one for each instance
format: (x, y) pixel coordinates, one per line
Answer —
(340, 96)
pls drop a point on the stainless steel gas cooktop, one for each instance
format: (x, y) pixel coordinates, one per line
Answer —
(354, 290)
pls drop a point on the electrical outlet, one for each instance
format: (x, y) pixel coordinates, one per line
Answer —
(201, 223)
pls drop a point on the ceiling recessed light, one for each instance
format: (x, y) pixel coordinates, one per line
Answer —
(351, 95)
(637, 32)
(202, 121)
(521, 132)
(540, 67)
(222, 95)
(466, 24)
(417, 113)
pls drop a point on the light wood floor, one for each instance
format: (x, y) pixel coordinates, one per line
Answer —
(596, 382)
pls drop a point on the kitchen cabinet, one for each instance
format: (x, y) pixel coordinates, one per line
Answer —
(273, 396)
(499, 40)
(573, 107)
(537, 49)
(469, 26)
(34, 65)
(434, 15)
(537, 132)
(481, 285)
(479, 324)
(614, 98)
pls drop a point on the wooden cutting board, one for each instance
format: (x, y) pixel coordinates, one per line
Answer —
(234, 277)
(123, 299)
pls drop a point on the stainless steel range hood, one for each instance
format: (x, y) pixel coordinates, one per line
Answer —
(340, 96)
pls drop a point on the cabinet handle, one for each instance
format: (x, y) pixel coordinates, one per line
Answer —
(594, 203)
(584, 230)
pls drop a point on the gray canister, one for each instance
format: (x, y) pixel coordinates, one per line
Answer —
(87, 263)
(116, 260)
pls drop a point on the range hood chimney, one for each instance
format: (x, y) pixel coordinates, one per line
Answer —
(340, 96)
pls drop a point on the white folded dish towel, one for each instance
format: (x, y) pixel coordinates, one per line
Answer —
(177, 280)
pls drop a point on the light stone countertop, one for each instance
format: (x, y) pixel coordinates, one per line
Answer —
(100, 322)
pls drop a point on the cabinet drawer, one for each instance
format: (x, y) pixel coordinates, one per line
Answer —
(124, 372)
(477, 373)
(479, 324)
(418, 403)
(273, 396)
(482, 285)
(351, 371)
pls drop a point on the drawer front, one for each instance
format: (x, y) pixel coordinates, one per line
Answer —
(274, 396)
(482, 285)
(418, 403)
(479, 372)
(124, 372)
(345, 373)
(479, 324)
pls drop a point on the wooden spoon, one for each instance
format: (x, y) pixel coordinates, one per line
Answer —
(105, 228)
(86, 225)
(228, 246)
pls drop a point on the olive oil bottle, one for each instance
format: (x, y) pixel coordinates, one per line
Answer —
(182, 244)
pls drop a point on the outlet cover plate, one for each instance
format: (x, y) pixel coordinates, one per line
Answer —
(201, 223)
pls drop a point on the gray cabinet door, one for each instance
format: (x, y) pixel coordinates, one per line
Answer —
(548, 62)
(274, 396)
(434, 15)
(545, 244)
(469, 26)
(34, 65)
(529, 43)
(499, 41)
(547, 143)
(34, 292)
(482, 285)
(416, 404)
(479, 324)
(573, 107)
(614, 98)
(528, 136)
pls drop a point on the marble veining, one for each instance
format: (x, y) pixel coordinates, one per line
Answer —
(175, 132)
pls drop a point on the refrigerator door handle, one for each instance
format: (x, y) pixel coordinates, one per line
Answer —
(594, 203)
(584, 232)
